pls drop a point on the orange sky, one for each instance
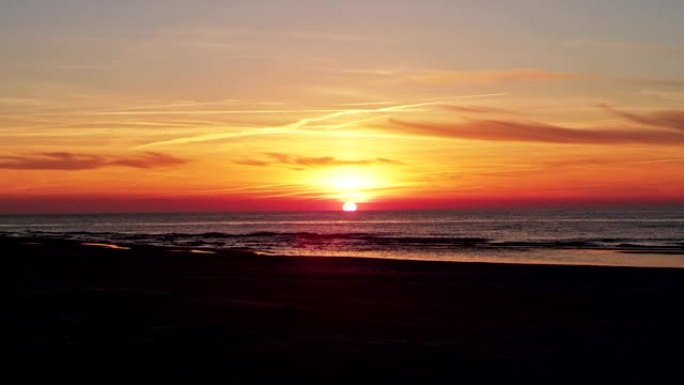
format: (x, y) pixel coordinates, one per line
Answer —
(121, 108)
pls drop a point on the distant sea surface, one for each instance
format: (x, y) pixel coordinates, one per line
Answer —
(643, 237)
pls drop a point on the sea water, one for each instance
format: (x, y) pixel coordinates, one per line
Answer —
(636, 237)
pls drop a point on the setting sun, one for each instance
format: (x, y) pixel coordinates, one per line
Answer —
(349, 206)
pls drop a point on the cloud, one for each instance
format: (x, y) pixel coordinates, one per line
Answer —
(475, 109)
(148, 160)
(372, 71)
(638, 48)
(663, 118)
(672, 95)
(73, 161)
(335, 37)
(651, 82)
(301, 162)
(487, 76)
(298, 127)
(20, 102)
(497, 130)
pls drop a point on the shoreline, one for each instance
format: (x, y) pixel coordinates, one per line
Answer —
(149, 314)
(654, 254)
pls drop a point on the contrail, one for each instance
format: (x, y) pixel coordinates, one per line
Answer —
(294, 127)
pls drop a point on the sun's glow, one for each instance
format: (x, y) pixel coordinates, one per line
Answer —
(349, 184)
(349, 206)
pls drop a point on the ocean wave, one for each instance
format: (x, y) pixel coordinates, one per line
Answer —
(273, 240)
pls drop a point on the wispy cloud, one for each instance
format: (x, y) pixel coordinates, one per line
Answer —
(20, 102)
(639, 48)
(74, 161)
(663, 118)
(335, 37)
(446, 77)
(486, 76)
(302, 162)
(660, 94)
(500, 130)
(298, 126)
(474, 109)
(372, 71)
(645, 81)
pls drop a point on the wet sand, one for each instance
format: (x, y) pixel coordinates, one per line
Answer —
(94, 314)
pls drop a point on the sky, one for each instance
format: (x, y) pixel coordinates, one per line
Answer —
(151, 105)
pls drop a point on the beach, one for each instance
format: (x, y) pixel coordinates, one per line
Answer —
(143, 314)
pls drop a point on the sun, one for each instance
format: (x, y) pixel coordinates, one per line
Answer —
(349, 206)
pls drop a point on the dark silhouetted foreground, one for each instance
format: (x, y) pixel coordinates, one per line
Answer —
(87, 314)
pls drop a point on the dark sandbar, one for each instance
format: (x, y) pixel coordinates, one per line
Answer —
(73, 313)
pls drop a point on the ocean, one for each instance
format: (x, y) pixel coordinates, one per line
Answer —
(637, 237)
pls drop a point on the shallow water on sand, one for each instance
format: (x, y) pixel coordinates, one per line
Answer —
(638, 237)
